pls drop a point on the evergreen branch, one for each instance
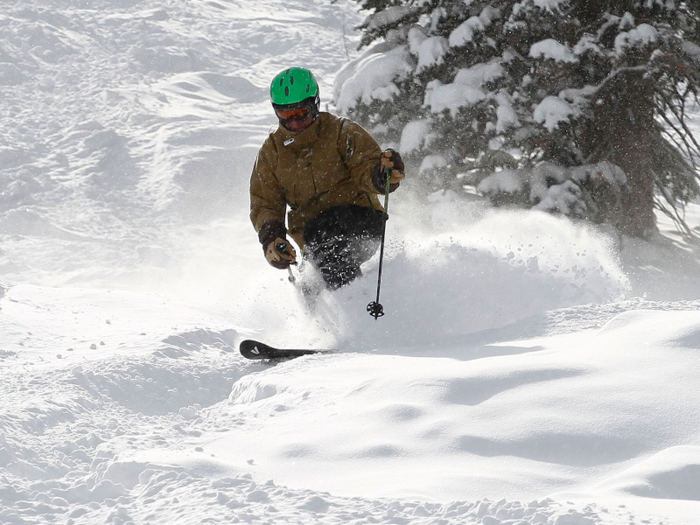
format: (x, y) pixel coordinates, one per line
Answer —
(691, 152)
(688, 133)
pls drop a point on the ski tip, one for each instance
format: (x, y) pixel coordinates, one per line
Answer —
(251, 349)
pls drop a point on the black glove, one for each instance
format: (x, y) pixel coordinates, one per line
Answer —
(390, 159)
(278, 251)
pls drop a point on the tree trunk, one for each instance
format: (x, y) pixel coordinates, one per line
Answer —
(624, 132)
(632, 154)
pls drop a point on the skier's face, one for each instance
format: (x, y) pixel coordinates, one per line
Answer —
(298, 125)
(294, 113)
(295, 117)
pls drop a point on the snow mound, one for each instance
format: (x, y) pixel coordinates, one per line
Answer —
(547, 413)
(673, 473)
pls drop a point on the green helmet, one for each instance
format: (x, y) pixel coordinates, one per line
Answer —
(293, 85)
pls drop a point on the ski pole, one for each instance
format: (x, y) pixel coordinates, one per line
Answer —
(283, 247)
(375, 308)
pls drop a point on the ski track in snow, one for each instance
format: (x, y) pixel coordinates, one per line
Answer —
(524, 374)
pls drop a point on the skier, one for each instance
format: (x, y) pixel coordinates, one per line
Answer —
(329, 171)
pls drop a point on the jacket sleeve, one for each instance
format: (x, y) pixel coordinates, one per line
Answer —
(360, 153)
(267, 202)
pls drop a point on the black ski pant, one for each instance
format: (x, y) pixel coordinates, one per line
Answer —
(339, 239)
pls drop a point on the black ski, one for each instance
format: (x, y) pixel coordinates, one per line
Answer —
(256, 350)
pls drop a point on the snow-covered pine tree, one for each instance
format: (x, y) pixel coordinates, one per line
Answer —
(579, 107)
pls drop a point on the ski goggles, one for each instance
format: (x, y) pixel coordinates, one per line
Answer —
(296, 113)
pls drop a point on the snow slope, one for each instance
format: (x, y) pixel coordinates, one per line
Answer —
(528, 370)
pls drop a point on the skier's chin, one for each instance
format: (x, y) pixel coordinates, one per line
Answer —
(298, 127)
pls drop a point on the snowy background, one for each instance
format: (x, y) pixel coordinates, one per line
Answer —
(528, 370)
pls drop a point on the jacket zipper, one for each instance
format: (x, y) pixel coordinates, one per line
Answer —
(313, 179)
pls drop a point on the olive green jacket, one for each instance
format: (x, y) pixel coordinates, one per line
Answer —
(329, 164)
